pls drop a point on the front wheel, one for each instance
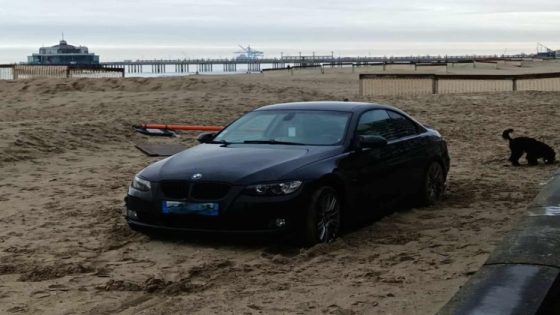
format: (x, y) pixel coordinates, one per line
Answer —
(433, 185)
(322, 220)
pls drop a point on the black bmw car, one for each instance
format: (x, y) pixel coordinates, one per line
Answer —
(305, 167)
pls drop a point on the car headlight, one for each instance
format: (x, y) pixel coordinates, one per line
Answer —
(274, 189)
(140, 184)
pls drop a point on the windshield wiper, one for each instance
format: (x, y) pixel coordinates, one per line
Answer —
(272, 141)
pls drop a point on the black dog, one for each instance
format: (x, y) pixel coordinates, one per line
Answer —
(534, 149)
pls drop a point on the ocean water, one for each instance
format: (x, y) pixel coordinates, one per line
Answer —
(179, 74)
(170, 71)
(16, 53)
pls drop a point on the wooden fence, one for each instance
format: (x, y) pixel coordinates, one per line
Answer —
(6, 72)
(15, 72)
(435, 67)
(417, 83)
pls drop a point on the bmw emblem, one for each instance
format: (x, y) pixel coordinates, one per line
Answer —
(196, 176)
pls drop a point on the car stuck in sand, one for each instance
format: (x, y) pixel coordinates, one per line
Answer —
(306, 167)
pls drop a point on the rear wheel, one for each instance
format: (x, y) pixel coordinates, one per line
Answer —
(322, 220)
(433, 185)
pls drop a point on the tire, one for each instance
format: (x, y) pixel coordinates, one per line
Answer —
(433, 185)
(322, 219)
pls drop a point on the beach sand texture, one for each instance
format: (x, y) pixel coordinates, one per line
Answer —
(67, 155)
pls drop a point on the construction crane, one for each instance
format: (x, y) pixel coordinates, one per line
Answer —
(248, 53)
(543, 49)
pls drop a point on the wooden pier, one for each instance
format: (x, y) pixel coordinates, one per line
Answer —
(162, 66)
(248, 65)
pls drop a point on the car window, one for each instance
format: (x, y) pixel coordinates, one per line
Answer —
(311, 127)
(403, 127)
(250, 129)
(376, 122)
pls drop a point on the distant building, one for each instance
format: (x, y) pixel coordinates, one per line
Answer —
(63, 54)
(545, 52)
(549, 54)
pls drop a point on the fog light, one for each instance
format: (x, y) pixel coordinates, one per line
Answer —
(132, 214)
(280, 223)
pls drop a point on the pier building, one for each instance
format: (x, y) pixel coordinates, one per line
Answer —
(63, 54)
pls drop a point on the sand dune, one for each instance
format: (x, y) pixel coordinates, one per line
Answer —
(67, 155)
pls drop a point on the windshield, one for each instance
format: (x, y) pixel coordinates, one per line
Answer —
(304, 127)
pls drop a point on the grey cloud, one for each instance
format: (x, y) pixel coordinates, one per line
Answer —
(290, 23)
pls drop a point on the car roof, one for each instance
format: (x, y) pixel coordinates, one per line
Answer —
(326, 105)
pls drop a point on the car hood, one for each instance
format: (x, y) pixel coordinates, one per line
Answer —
(238, 164)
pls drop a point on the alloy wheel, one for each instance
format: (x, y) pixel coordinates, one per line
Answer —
(435, 182)
(328, 216)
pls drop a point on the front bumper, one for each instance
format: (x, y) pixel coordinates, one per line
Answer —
(239, 214)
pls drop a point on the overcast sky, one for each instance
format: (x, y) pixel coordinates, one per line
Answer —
(131, 29)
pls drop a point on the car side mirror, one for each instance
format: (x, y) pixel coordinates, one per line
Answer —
(370, 141)
(205, 137)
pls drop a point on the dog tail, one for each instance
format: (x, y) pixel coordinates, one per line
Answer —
(506, 133)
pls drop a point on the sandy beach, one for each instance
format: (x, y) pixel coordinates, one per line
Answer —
(67, 156)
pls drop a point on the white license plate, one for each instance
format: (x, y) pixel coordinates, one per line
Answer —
(185, 207)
